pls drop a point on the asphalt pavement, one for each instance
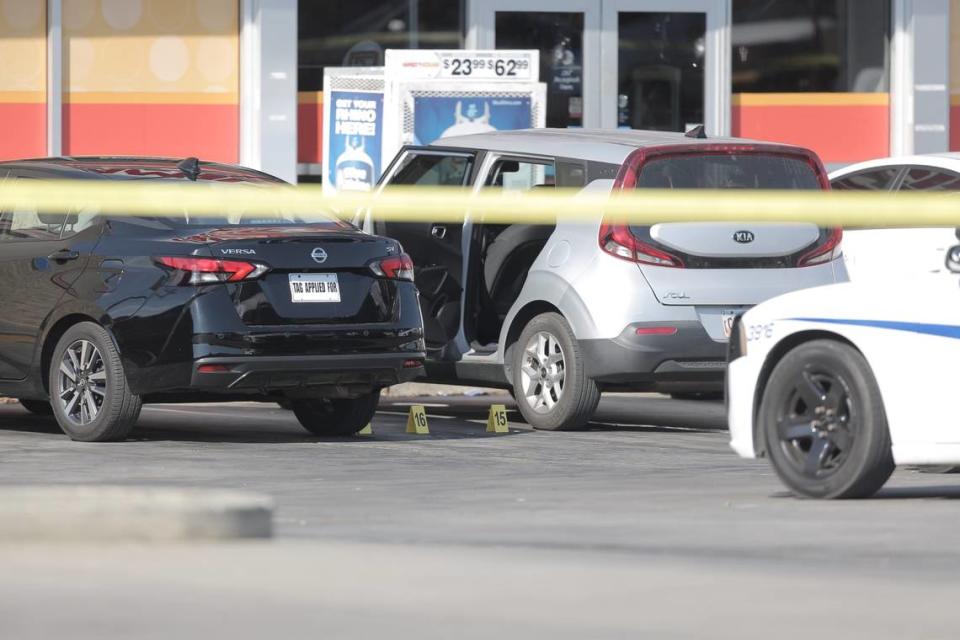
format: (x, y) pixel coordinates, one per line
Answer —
(644, 526)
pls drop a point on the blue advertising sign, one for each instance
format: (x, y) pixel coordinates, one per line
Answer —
(442, 116)
(355, 134)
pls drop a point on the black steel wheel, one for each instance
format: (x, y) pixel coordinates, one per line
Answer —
(823, 422)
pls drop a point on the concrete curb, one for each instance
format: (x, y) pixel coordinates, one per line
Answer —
(116, 513)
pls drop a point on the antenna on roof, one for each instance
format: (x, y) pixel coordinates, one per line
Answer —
(190, 167)
(697, 132)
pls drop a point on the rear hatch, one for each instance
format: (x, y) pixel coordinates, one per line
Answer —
(316, 274)
(722, 263)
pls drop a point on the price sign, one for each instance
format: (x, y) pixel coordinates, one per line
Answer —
(456, 64)
(485, 65)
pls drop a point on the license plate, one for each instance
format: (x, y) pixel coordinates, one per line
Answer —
(314, 287)
(727, 318)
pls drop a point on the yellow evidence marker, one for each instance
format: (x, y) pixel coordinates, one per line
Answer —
(367, 430)
(417, 421)
(497, 422)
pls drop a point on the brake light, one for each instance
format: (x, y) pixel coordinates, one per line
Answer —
(619, 241)
(213, 368)
(210, 270)
(656, 331)
(825, 252)
(395, 267)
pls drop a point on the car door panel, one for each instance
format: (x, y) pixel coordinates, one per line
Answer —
(435, 247)
(35, 274)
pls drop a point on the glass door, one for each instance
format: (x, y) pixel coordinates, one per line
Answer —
(640, 64)
(666, 65)
(566, 34)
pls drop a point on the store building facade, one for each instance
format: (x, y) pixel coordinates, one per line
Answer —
(241, 80)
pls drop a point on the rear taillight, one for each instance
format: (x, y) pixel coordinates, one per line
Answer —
(210, 270)
(395, 267)
(656, 331)
(825, 251)
(619, 241)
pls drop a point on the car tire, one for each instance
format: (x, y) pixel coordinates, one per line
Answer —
(336, 416)
(550, 383)
(99, 380)
(823, 422)
(36, 407)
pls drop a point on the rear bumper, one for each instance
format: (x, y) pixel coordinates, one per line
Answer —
(688, 360)
(164, 344)
(290, 375)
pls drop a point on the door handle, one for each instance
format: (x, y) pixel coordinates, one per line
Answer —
(438, 231)
(63, 255)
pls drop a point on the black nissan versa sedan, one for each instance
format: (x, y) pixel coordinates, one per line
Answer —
(101, 314)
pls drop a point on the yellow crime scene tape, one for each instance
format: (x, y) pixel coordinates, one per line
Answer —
(445, 204)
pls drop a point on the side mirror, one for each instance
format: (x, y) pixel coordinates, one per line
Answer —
(953, 259)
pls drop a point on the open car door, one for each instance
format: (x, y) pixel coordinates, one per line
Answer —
(436, 247)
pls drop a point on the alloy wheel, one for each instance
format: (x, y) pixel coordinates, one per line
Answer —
(816, 425)
(542, 372)
(82, 382)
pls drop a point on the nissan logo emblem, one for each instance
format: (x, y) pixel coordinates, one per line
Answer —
(743, 237)
(319, 255)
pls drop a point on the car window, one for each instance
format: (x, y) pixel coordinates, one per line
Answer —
(930, 179)
(727, 171)
(25, 223)
(571, 174)
(78, 220)
(433, 169)
(520, 175)
(871, 180)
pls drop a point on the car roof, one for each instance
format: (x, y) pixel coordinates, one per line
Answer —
(948, 160)
(597, 145)
(129, 168)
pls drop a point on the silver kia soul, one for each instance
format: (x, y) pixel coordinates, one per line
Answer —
(558, 313)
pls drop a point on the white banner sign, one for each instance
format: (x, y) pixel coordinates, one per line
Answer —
(457, 64)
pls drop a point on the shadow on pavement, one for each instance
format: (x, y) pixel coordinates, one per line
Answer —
(617, 411)
(945, 491)
(397, 434)
(451, 418)
(646, 428)
(941, 491)
(243, 424)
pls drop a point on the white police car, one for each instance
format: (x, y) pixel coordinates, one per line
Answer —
(838, 384)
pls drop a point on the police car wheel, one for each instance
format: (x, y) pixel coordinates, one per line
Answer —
(823, 422)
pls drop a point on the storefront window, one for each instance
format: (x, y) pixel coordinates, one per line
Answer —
(810, 46)
(559, 37)
(660, 70)
(356, 32)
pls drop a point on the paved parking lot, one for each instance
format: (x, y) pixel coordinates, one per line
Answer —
(621, 531)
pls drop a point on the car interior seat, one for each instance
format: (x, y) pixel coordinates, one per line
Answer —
(509, 258)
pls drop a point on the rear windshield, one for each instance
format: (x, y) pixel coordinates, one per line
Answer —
(234, 214)
(255, 218)
(727, 171)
